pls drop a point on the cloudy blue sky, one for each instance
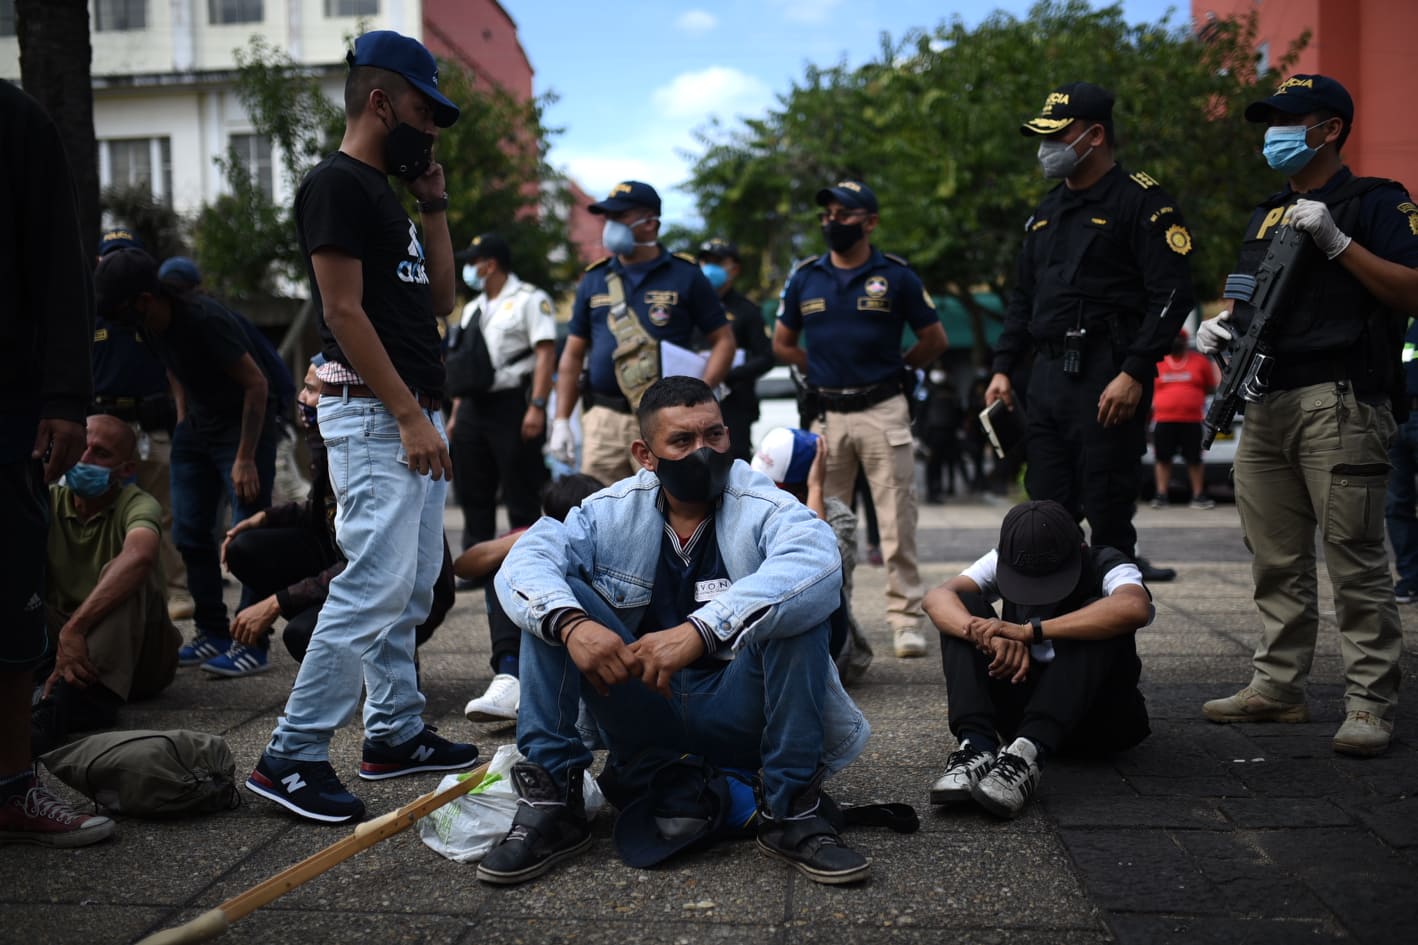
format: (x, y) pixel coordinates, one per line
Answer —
(635, 78)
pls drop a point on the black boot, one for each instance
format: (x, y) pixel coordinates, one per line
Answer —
(550, 826)
(806, 840)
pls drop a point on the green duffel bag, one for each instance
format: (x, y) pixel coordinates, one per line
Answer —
(179, 773)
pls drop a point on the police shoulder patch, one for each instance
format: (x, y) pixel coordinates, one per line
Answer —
(899, 260)
(686, 257)
(1178, 239)
(598, 263)
(1144, 180)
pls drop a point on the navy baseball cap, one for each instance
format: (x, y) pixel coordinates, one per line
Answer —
(122, 276)
(488, 246)
(852, 194)
(1040, 554)
(627, 194)
(1067, 102)
(684, 805)
(386, 49)
(718, 248)
(119, 237)
(1303, 94)
(181, 271)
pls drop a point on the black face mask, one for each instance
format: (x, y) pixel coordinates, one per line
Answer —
(407, 151)
(699, 477)
(842, 236)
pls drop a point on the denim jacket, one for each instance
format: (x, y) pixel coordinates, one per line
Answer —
(783, 562)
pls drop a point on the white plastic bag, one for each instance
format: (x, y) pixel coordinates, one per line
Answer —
(466, 829)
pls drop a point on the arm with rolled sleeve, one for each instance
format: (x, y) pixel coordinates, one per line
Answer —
(531, 584)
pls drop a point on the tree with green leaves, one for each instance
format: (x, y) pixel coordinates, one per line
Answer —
(932, 123)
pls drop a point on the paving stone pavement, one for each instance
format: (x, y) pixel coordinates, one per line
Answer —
(1204, 833)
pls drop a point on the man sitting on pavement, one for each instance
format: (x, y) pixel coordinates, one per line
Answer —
(711, 640)
(1058, 674)
(104, 592)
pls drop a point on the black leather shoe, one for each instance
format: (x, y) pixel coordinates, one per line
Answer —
(1155, 575)
(550, 826)
(812, 846)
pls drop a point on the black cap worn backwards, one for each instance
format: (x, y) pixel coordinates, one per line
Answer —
(1067, 102)
(718, 248)
(488, 246)
(1040, 554)
(627, 194)
(386, 49)
(1303, 94)
(852, 194)
(121, 277)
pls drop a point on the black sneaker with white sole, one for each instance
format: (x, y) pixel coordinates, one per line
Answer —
(1007, 787)
(550, 826)
(426, 751)
(308, 788)
(963, 770)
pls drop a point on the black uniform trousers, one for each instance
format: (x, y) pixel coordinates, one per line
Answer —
(489, 453)
(1089, 469)
(1083, 702)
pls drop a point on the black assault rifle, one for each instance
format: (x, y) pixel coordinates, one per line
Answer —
(1245, 376)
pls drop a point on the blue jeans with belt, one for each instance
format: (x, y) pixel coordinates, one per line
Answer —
(390, 529)
(762, 709)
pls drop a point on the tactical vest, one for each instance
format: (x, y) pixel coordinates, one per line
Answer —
(1335, 329)
(636, 358)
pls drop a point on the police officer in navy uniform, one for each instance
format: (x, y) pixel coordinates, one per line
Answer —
(1102, 288)
(1313, 453)
(852, 305)
(719, 260)
(670, 299)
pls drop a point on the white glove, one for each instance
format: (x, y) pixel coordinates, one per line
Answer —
(562, 445)
(1313, 217)
(1213, 334)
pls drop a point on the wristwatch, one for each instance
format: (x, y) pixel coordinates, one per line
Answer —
(539, 402)
(436, 205)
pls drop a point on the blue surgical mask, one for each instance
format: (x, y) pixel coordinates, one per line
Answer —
(472, 277)
(715, 273)
(1285, 149)
(88, 480)
(619, 238)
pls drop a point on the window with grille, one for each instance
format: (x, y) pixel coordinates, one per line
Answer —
(117, 15)
(138, 162)
(254, 153)
(235, 11)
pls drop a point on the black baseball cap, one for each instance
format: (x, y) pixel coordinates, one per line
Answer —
(718, 248)
(1067, 102)
(628, 194)
(121, 277)
(118, 237)
(1040, 554)
(386, 49)
(488, 246)
(852, 194)
(1303, 94)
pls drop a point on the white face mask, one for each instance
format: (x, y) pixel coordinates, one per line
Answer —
(1058, 160)
(471, 276)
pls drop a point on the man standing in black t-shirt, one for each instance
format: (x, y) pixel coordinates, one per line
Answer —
(379, 289)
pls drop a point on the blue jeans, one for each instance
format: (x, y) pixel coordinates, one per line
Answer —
(200, 477)
(390, 528)
(762, 709)
(1402, 499)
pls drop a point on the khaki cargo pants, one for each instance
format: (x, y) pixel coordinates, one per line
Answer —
(1317, 457)
(606, 436)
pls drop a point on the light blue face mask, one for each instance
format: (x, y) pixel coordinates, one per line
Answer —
(1285, 148)
(715, 273)
(88, 480)
(619, 238)
(472, 278)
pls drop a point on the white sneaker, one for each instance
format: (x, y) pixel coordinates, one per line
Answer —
(499, 703)
(1009, 785)
(965, 767)
(909, 643)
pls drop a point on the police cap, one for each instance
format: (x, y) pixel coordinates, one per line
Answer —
(718, 248)
(118, 237)
(1067, 102)
(1303, 94)
(852, 194)
(488, 246)
(628, 194)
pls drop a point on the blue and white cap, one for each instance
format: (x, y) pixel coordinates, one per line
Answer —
(785, 454)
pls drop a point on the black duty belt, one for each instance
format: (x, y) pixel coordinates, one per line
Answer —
(852, 400)
(1288, 374)
(611, 402)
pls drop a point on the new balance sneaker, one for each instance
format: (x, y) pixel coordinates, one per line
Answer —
(426, 751)
(308, 788)
(41, 817)
(499, 703)
(1010, 783)
(1248, 705)
(908, 643)
(239, 660)
(550, 826)
(1363, 734)
(963, 770)
(203, 647)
